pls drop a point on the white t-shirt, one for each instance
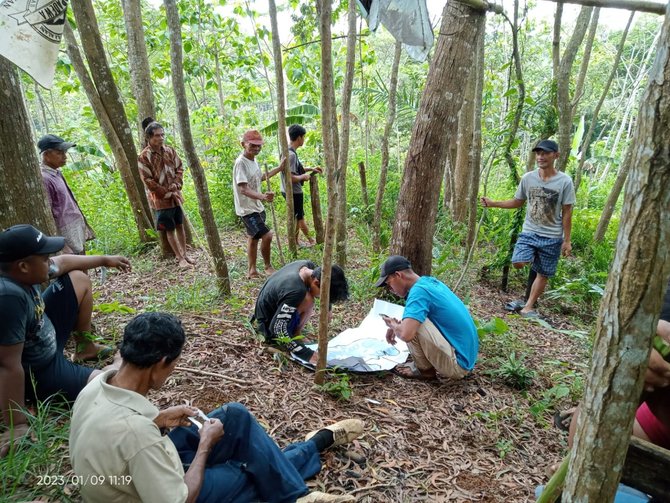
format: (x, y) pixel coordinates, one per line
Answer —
(246, 171)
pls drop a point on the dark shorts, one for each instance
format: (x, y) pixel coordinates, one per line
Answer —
(255, 224)
(540, 251)
(169, 219)
(298, 205)
(665, 309)
(60, 375)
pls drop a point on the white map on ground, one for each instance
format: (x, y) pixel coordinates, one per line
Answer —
(364, 348)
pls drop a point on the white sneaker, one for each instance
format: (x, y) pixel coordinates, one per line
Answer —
(319, 497)
(343, 431)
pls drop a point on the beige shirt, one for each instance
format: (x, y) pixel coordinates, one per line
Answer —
(246, 171)
(118, 452)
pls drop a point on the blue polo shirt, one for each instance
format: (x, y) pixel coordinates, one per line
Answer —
(432, 299)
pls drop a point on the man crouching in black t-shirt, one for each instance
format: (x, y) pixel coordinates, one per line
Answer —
(286, 302)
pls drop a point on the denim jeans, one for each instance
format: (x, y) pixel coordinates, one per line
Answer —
(246, 465)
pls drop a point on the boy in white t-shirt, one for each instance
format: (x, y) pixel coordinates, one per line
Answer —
(248, 194)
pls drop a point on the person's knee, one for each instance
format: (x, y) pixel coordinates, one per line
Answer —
(267, 236)
(236, 412)
(80, 282)
(519, 265)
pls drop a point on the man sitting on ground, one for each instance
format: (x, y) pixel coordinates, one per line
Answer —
(230, 458)
(286, 303)
(36, 326)
(436, 325)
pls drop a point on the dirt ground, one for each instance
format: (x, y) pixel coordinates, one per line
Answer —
(474, 440)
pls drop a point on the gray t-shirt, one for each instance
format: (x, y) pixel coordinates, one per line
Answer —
(24, 321)
(246, 171)
(293, 163)
(544, 213)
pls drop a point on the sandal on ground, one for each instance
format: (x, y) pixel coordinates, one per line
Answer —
(562, 419)
(515, 305)
(414, 372)
(530, 315)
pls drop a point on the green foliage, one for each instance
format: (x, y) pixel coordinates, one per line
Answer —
(113, 307)
(493, 326)
(513, 371)
(337, 385)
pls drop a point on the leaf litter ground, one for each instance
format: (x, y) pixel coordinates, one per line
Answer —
(474, 440)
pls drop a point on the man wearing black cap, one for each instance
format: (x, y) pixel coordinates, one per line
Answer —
(36, 326)
(436, 325)
(546, 230)
(70, 221)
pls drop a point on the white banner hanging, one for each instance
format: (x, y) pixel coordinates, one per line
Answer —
(30, 33)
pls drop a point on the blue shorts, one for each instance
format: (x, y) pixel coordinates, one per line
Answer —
(60, 375)
(540, 251)
(255, 224)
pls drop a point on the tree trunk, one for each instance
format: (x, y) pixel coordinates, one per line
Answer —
(317, 216)
(586, 58)
(126, 166)
(460, 190)
(281, 132)
(109, 94)
(613, 197)
(199, 178)
(19, 166)
(435, 124)
(563, 101)
(586, 143)
(556, 41)
(629, 309)
(343, 157)
(364, 185)
(383, 169)
(329, 128)
(138, 63)
(476, 150)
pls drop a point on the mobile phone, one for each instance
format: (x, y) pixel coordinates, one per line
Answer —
(200, 416)
(385, 317)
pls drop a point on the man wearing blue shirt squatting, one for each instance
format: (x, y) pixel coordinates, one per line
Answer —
(436, 325)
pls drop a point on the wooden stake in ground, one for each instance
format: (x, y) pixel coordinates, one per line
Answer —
(274, 216)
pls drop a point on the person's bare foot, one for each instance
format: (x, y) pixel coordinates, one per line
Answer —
(253, 273)
(184, 264)
(410, 371)
(92, 351)
(314, 358)
(269, 271)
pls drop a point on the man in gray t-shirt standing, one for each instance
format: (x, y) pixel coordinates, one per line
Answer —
(546, 230)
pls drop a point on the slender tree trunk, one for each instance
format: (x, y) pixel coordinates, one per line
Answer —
(104, 82)
(364, 185)
(281, 131)
(315, 201)
(217, 74)
(613, 197)
(586, 143)
(199, 178)
(383, 169)
(556, 41)
(629, 309)
(343, 157)
(564, 103)
(586, 58)
(476, 150)
(329, 128)
(435, 124)
(19, 165)
(125, 165)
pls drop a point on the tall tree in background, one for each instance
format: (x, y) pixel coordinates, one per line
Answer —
(435, 123)
(281, 131)
(343, 157)
(383, 169)
(199, 178)
(329, 129)
(629, 309)
(124, 165)
(91, 43)
(22, 198)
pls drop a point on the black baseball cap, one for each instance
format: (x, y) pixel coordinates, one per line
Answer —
(547, 146)
(393, 264)
(51, 141)
(21, 241)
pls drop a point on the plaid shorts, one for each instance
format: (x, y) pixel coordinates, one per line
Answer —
(542, 252)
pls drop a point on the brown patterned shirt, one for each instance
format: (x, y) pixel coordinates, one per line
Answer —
(162, 173)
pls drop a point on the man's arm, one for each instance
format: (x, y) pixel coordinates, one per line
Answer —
(507, 204)
(249, 192)
(566, 247)
(210, 434)
(273, 172)
(179, 171)
(12, 388)
(405, 330)
(148, 179)
(67, 263)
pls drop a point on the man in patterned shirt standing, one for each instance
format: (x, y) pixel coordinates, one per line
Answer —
(70, 221)
(162, 172)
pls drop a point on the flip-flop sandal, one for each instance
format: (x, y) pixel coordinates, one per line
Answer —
(530, 315)
(562, 419)
(415, 373)
(515, 305)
